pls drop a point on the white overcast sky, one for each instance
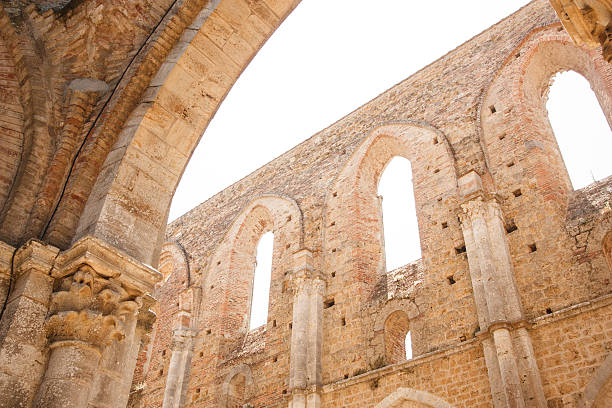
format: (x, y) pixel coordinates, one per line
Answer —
(331, 56)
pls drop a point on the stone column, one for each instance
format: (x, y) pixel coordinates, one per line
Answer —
(97, 298)
(182, 343)
(22, 341)
(306, 335)
(497, 299)
(118, 360)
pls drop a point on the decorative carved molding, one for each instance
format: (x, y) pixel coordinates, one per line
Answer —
(304, 272)
(97, 291)
(90, 308)
(182, 338)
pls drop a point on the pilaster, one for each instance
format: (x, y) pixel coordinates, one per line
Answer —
(183, 337)
(22, 341)
(513, 384)
(306, 335)
(182, 344)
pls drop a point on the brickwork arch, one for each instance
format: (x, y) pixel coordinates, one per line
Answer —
(411, 398)
(173, 259)
(528, 173)
(352, 204)
(170, 313)
(237, 387)
(227, 286)
(396, 328)
(513, 113)
(353, 235)
(407, 310)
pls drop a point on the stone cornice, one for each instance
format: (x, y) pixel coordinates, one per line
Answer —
(35, 255)
(108, 262)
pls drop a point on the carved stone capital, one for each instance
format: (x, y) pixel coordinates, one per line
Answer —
(476, 208)
(182, 338)
(88, 307)
(481, 206)
(304, 272)
(97, 291)
(108, 262)
(91, 328)
(145, 319)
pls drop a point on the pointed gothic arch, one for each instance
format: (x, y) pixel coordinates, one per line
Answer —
(227, 286)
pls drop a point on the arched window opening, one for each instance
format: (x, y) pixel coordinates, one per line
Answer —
(261, 281)
(581, 129)
(401, 231)
(236, 392)
(398, 342)
(408, 346)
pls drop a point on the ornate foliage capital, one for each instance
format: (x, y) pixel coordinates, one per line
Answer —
(91, 308)
(98, 290)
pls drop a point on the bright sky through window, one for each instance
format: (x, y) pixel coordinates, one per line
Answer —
(581, 129)
(408, 345)
(401, 231)
(261, 283)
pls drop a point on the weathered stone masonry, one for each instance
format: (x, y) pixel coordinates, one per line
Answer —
(101, 105)
(524, 321)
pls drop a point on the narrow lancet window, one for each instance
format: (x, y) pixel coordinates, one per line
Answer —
(401, 232)
(581, 129)
(261, 281)
(408, 346)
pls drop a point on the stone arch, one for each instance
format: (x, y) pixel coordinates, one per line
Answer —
(411, 398)
(352, 205)
(396, 328)
(407, 311)
(514, 108)
(598, 392)
(227, 289)
(151, 149)
(526, 167)
(238, 381)
(174, 259)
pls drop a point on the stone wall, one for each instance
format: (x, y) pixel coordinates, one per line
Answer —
(509, 304)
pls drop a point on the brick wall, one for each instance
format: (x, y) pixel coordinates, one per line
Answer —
(477, 108)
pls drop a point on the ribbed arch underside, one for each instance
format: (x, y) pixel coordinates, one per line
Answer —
(11, 122)
(129, 203)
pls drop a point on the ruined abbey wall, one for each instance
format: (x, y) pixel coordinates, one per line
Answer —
(510, 301)
(102, 103)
